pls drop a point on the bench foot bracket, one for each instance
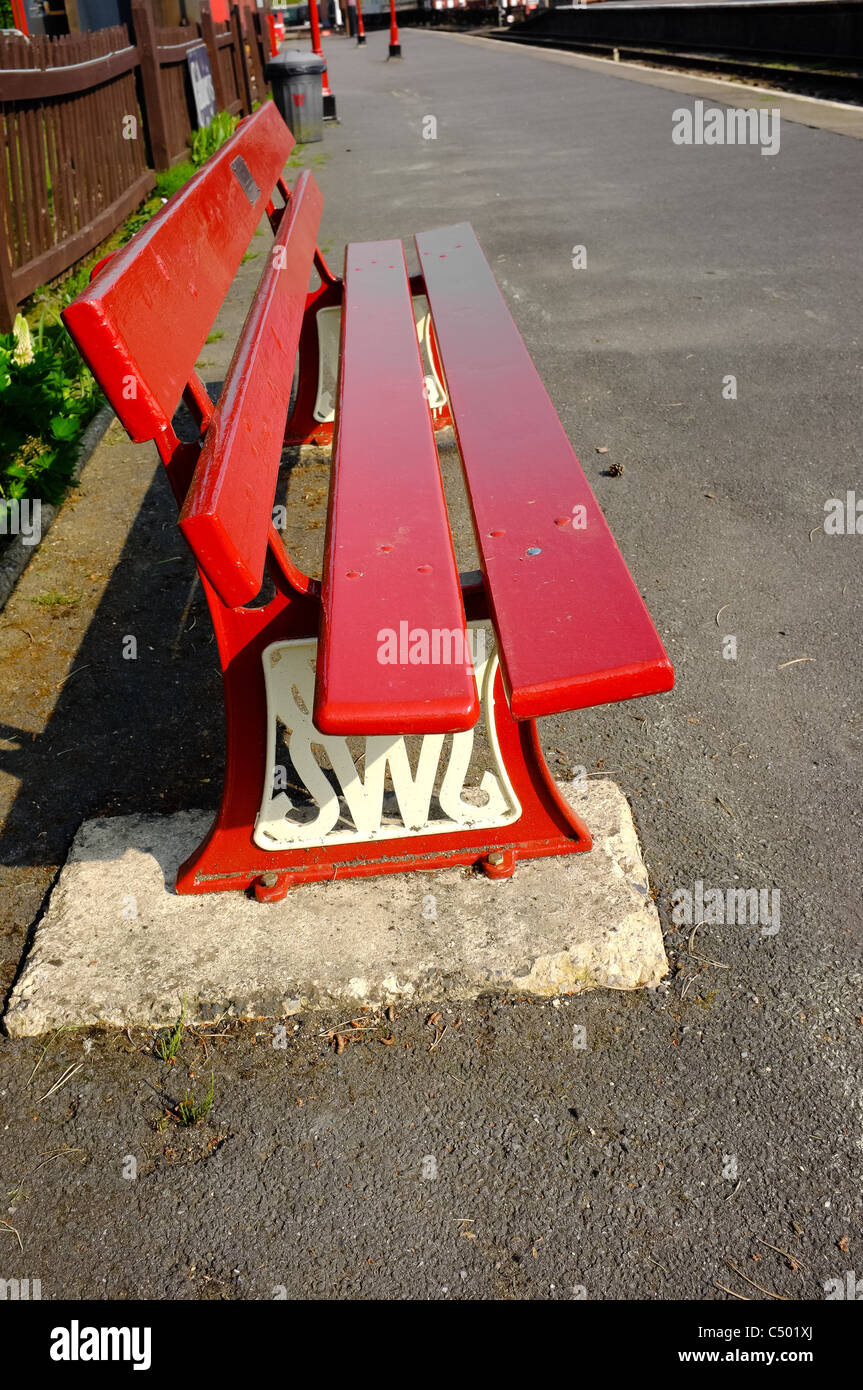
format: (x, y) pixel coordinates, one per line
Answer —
(499, 864)
(271, 888)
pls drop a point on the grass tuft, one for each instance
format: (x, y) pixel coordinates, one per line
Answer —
(167, 1045)
(190, 1111)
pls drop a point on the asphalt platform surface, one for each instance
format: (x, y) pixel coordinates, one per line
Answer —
(610, 1145)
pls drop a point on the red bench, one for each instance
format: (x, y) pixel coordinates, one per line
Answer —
(381, 649)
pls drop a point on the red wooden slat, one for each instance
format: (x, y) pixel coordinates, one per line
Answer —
(389, 556)
(572, 627)
(142, 322)
(226, 514)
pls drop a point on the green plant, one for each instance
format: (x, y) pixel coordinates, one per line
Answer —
(211, 137)
(168, 1044)
(190, 1111)
(47, 398)
(171, 180)
(54, 599)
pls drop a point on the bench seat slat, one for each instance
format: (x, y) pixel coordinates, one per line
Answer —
(389, 556)
(227, 511)
(571, 624)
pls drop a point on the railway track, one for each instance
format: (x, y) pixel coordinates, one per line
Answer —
(766, 44)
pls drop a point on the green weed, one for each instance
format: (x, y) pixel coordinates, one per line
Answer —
(54, 599)
(190, 1111)
(205, 142)
(168, 1044)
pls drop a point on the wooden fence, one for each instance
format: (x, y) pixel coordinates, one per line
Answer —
(71, 177)
(236, 63)
(85, 119)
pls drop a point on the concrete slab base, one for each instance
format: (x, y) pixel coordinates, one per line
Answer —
(118, 946)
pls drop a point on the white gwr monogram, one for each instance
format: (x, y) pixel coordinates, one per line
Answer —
(360, 803)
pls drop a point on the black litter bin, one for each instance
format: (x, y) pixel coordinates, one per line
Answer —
(297, 80)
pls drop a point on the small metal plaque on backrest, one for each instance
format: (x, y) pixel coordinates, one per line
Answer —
(247, 183)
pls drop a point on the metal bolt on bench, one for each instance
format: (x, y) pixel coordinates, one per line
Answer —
(382, 648)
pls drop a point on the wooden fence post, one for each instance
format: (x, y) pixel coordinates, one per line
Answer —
(261, 43)
(241, 66)
(255, 57)
(151, 84)
(208, 34)
(8, 302)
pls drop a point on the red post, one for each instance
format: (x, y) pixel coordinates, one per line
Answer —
(329, 97)
(316, 28)
(274, 42)
(395, 46)
(19, 16)
(361, 32)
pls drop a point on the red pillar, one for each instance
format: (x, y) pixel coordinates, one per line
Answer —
(316, 28)
(329, 98)
(19, 16)
(361, 32)
(395, 46)
(271, 30)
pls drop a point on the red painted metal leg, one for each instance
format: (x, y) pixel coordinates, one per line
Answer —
(229, 858)
(302, 427)
(242, 634)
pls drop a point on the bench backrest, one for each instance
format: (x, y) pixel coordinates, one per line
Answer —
(143, 320)
(227, 513)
